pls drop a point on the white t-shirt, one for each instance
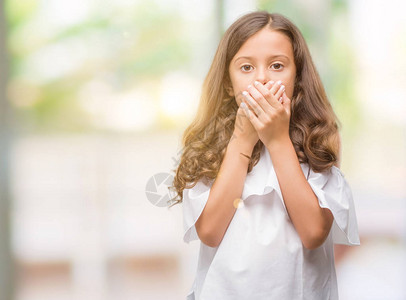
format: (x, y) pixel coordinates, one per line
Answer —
(261, 255)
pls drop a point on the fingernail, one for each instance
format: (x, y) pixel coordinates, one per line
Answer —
(249, 86)
(256, 82)
(272, 82)
(282, 87)
(245, 93)
(243, 105)
(280, 99)
(279, 82)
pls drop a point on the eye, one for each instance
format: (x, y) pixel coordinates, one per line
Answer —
(246, 68)
(278, 65)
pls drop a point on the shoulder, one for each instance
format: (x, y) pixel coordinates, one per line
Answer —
(333, 176)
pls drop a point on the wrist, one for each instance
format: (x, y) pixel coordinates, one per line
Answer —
(278, 145)
(240, 145)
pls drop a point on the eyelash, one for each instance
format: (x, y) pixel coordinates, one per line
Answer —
(281, 66)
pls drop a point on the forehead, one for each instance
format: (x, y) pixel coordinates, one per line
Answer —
(266, 42)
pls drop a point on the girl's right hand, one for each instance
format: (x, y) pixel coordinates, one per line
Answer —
(244, 131)
(243, 127)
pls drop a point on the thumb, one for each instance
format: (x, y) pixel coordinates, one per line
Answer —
(286, 102)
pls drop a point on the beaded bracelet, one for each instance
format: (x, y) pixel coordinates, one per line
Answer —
(249, 157)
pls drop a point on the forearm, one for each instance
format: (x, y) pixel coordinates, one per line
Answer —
(220, 207)
(312, 222)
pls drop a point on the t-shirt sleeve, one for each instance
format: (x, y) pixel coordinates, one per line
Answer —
(194, 201)
(333, 192)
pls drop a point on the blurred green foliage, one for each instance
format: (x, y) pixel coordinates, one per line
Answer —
(125, 47)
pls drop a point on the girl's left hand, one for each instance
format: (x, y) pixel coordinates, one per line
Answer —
(271, 118)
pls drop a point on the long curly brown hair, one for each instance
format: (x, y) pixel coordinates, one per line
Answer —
(313, 125)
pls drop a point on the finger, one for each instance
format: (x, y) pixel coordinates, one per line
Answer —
(279, 93)
(286, 102)
(263, 105)
(242, 99)
(276, 87)
(244, 107)
(238, 122)
(248, 106)
(269, 84)
(250, 115)
(270, 99)
(254, 104)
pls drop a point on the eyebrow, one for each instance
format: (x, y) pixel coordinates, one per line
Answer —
(270, 57)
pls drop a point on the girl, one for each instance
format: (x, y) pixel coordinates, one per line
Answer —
(259, 176)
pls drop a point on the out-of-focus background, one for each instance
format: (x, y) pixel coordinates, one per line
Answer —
(94, 98)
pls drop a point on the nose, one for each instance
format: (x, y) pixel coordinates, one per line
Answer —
(263, 75)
